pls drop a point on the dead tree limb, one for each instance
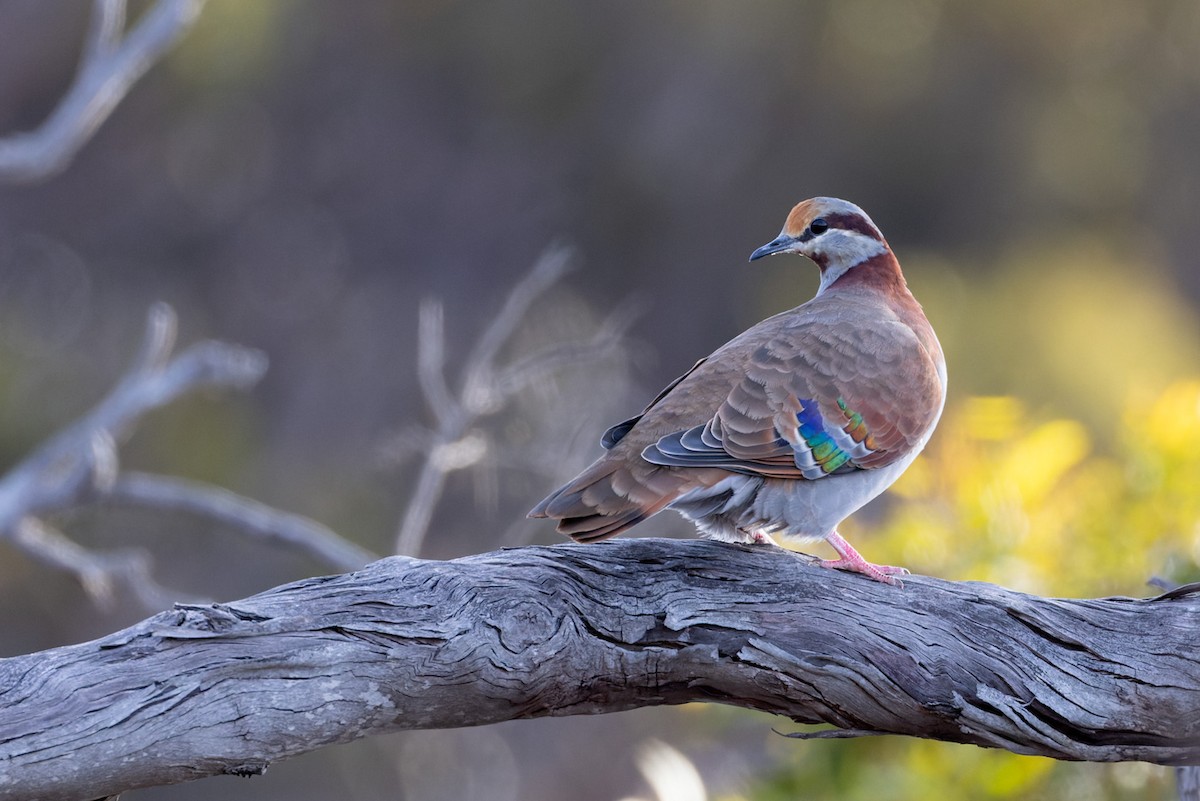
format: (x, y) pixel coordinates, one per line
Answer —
(569, 630)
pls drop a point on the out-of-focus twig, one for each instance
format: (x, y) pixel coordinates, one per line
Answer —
(246, 515)
(455, 442)
(109, 66)
(99, 573)
(80, 465)
(480, 391)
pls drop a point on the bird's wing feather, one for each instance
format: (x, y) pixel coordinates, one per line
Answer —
(826, 395)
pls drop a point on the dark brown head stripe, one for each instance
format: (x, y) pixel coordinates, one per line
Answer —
(853, 222)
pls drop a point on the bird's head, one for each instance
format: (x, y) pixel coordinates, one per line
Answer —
(834, 233)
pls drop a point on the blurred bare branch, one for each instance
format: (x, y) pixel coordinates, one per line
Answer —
(109, 66)
(99, 573)
(81, 465)
(456, 442)
(247, 515)
(480, 390)
(431, 362)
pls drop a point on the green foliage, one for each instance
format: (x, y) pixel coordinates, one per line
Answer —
(1049, 505)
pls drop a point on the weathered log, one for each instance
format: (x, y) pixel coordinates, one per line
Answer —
(569, 630)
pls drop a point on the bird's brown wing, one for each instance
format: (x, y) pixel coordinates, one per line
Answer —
(825, 394)
(808, 393)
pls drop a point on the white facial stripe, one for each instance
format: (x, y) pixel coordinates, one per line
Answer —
(841, 250)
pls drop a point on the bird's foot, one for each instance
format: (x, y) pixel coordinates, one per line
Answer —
(884, 573)
(763, 538)
(853, 562)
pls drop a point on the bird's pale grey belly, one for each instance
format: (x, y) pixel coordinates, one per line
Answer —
(737, 507)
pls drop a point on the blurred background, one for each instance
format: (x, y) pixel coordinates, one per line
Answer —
(300, 176)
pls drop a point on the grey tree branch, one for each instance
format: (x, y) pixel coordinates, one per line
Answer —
(80, 465)
(104, 32)
(109, 66)
(478, 380)
(570, 630)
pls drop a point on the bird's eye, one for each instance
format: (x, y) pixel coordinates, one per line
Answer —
(818, 226)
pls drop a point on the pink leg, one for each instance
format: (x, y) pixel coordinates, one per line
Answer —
(851, 560)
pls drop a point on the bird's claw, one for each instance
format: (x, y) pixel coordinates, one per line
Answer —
(883, 573)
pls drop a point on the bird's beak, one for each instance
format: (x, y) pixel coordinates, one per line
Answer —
(780, 244)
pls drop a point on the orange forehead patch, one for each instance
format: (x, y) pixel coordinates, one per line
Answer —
(800, 216)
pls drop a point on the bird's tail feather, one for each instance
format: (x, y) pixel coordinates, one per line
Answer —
(608, 498)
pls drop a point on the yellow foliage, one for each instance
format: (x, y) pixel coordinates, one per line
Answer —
(1172, 425)
(1037, 505)
(1036, 462)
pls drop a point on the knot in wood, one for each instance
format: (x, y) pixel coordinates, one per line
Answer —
(214, 618)
(522, 624)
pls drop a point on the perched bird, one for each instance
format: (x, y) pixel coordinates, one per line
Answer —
(793, 425)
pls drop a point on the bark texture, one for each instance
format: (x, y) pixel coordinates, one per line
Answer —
(569, 630)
